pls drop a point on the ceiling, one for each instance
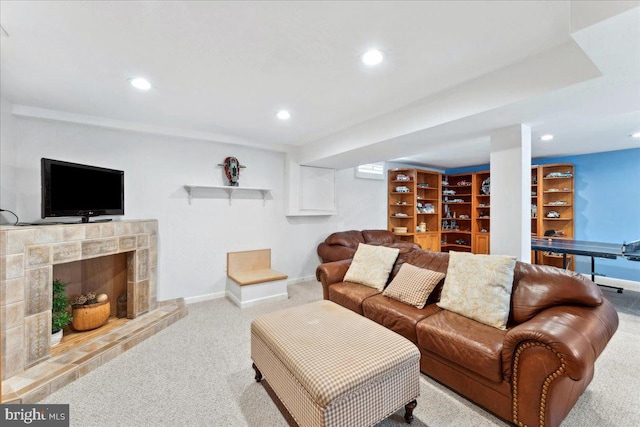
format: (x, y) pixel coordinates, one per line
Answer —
(453, 72)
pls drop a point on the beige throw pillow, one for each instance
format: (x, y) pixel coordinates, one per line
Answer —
(479, 287)
(371, 265)
(413, 285)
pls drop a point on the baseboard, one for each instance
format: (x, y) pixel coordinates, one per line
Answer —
(222, 294)
(206, 297)
(257, 301)
(300, 280)
(619, 283)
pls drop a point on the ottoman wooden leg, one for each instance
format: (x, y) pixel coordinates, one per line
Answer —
(258, 376)
(408, 410)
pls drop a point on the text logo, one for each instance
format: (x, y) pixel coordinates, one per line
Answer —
(35, 415)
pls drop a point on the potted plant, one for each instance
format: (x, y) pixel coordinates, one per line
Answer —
(60, 316)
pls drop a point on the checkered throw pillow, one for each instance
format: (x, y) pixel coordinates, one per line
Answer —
(412, 285)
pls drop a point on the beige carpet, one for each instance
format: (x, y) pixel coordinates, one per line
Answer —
(198, 373)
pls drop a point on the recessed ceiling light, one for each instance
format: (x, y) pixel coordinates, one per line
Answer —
(140, 83)
(547, 137)
(283, 115)
(635, 135)
(372, 57)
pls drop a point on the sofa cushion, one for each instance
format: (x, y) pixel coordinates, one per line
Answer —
(479, 287)
(331, 253)
(350, 239)
(538, 287)
(342, 245)
(371, 266)
(378, 237)
(350, 295)
(395, 315)
(464, 342)
(436, 261)
(412, 285)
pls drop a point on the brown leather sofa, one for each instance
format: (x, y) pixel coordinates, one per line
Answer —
(343, 244)
(531, 374)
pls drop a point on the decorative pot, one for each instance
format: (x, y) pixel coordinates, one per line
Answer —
(91, 316)
(56, 337)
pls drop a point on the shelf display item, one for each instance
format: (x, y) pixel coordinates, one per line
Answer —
(232, 168)
(486, 186)
(566, 174)
(426, 208)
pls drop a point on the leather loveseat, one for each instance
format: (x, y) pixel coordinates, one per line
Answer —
(343, 244)
(530, 374)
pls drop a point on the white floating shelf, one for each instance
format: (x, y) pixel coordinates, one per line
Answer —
(192, 191)
(312, 213)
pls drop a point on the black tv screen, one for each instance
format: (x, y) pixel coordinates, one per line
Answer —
(72, 189)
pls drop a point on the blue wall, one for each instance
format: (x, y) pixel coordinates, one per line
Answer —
(606, 205)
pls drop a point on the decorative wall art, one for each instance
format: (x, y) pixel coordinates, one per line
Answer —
(232, 168)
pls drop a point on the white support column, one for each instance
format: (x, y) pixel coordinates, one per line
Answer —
(511, 192)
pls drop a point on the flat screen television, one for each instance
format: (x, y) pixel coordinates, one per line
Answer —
(72, 189)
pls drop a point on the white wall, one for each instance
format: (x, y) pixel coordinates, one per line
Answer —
(194, 239)
(7, 163)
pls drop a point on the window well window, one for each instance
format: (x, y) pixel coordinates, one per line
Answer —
(370, 171)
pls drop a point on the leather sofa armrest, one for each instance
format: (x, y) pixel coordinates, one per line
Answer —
(330, 273)
(330, 253)
(549, 360)
(576, 334)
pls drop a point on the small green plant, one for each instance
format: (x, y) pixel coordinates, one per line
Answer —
(60, 316)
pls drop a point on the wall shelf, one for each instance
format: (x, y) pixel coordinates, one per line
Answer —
(211, 190)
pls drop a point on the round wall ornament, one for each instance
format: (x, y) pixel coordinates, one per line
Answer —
(232, 168)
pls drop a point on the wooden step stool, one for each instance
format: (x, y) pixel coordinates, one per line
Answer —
(251, 281)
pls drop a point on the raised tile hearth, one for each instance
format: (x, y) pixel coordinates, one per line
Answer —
(27, 258)
(34, 384)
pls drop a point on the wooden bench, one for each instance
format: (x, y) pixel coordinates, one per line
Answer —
(250, 279)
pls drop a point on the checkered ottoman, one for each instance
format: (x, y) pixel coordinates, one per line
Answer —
(332, 367)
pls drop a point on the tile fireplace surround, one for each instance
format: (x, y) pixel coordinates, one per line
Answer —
(27, 257)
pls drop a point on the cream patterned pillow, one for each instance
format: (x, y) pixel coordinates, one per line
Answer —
(412, 285)
(479, 287)
(371, 265)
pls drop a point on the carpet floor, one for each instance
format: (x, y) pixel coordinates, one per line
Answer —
(198, 372)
